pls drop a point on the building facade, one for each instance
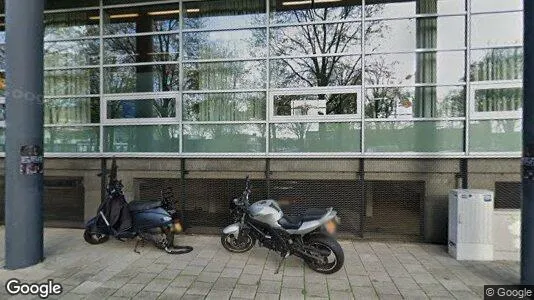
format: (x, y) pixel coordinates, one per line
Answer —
(375, 107)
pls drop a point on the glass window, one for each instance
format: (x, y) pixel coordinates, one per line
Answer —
(225, 44)
(117, 2)
(289, 11)
(495, 136)
(142, 138)
(415, 102)
(496, 99)
(497, 29)
(145, 78)
(407, 8)
(224, 14)
(72, 82)
(317, 104)
(224, 75)
(72, 53)
(2, 112)
(71, 139)
(316, 71)
(495, 5)
(224, 106)
(316, 39)
(315, 137)
(137, 19)
(144, 48)
(496, 64)
(411, 68)
(2, 83)
(71, 110)
(2, 140)
(420, 136)
(141, 108)
(224, 138)
(61, 4)
(71, 24)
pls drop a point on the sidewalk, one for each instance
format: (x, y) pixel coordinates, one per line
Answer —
(372, 270)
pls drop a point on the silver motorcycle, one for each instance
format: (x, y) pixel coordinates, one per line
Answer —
(308, 236)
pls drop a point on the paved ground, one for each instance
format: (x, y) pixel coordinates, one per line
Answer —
(372, 270)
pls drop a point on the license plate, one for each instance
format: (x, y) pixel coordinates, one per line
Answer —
(331, 226)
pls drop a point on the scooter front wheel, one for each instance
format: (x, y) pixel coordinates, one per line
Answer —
(95, 238)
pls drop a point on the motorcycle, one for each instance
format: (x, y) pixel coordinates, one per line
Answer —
(309, 236)
(153, 221)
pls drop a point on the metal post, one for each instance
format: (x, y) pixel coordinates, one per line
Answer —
(361, 178)
(464, 172)
(527, 210)
(24, 133)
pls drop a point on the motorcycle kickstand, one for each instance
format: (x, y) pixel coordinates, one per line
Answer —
(139, 241)
(280, 263)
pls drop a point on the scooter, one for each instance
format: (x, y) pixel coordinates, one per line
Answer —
(149, 221)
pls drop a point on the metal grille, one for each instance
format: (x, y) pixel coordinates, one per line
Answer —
(508, 195)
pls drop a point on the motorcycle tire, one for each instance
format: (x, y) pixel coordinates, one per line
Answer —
(229, 243)
(336, 252)
(92, 239)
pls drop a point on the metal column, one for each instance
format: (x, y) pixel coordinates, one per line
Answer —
(527, 209)
(24, 133)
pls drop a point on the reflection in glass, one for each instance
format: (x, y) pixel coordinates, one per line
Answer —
(146, 78)
(316, 71)
(224, 75)
(498, 99)
(420, 136)
(142, 138)
(145, 48)
(71, 139)
(224, 138)
(495, 5)
(225, 44)
(284, 11)
(136, 19)
(72, 82)
(496, 64)
(60, 4)
(315, 137)
(224, 106)
(71, 24)
(71, 110)
(316, 104)
(141, 108)
(224, 14)
(495, 135)
(2, 83)
(497, 29)
(2, 111)
(72, 53)
(415, 102)
(316, 39)
(407, 8)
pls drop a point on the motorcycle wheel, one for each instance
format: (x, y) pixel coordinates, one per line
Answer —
(95, 238)
(242, 244)
(330, 263)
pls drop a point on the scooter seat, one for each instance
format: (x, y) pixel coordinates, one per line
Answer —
(143, 205)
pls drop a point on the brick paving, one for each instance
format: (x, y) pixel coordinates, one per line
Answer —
(373, 270)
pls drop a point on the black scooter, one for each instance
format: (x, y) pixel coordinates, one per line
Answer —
(151, 221)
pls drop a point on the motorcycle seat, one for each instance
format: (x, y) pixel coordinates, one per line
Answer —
(288, 222)
(294, 222)
(143, 205)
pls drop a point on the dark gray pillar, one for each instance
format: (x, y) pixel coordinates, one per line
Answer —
(527, 209)
(24, 127)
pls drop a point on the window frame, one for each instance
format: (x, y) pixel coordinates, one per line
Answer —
(140, 121)
(494, 115)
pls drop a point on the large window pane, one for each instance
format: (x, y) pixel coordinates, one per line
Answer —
(320, 104)
(224, 107)
(315, 137)
(60, 4)
(497, 29)
(495, 5)
(116, 2)
(496, 64)
(137, 19)
(224, 138)
(316, 39)
(71, 110)
(71, 24)
(283, 11)
(316, 71)
(146, 78)
(224, 75)
(411, 68)
(415, 102)
(495, 136)
(146, 48)
(72, 53)
(407, 8)
(72, 82)
(142, 138)
(421, 136)
(224, 14)
(141, 108)
(498, 99)
(225, 44)
(71, 139)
